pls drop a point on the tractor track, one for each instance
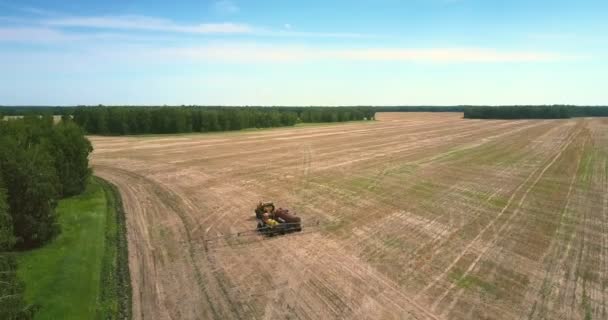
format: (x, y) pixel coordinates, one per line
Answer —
(513, 198)
(403, 202)
(507, 225)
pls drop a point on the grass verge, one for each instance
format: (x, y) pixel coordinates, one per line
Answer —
(83, 273)
(115, 299)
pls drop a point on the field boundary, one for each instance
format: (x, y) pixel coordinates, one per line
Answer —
(115, 301)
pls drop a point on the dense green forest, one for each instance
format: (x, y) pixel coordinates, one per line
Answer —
(120, 120)
(58, 111)
(577, 111)
(421, 109)
(143, 120)
(518, 112)
(134, 120)
(534, 112)
(40, 162)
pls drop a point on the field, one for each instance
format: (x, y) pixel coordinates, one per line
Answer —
(416, 215)
(56, 119)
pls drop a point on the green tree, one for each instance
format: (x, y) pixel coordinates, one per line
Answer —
(31, 181)
(12, 303)
(7, 238)
(71, 150)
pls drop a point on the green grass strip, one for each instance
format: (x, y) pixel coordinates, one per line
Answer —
(115, 299)
(83, 273)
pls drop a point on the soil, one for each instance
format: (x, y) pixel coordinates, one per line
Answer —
(412, 216)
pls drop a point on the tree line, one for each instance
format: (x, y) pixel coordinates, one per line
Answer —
(40, 162)
(310, 114)
(143, 120)
(534, 112)
(420, 109)
(30, 110)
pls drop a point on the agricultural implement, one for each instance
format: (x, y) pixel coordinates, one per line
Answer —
(272, 221)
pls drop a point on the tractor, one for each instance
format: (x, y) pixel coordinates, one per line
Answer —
(272, 221)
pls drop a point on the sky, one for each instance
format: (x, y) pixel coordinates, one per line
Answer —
(357, 52)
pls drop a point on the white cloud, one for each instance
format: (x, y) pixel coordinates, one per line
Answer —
(28, 9)
(553, 36)
(127, 23)
(32, 34)
(50, 36)
(133, 22)
(288, 33)
(52, 31)
(450, 55)
(38, 11)
(145, 23)
(251, 53)
(226, 6)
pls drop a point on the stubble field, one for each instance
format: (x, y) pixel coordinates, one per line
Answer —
(416, 215)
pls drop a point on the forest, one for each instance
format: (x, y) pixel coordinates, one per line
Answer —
(534, 112)
(420, 109)
(144, 120)
(40, 163)
(123, 120)
(26, 110)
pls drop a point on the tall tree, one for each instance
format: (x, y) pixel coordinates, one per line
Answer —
(12, 303)
(71, 150)
(31, 181)
(7, 238)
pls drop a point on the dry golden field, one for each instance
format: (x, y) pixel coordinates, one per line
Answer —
(416, 215)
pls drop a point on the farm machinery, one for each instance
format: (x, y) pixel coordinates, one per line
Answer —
(270, 222)
(273, 221)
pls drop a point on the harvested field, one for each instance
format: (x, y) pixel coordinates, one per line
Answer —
(421, 216)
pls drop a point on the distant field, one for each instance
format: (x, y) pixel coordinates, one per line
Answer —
(421, 215)
(56, 119)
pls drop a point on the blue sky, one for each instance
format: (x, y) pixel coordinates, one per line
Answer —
(245, 52)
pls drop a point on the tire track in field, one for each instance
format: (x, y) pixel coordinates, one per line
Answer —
(555, 254)
(204, 283)
(604, 251)
(475, 240)
(326, 273)
(151, 275)
(572, 183)
(236, 190)
(441, 239)
(146, 296)
(350, 267)
(312, 265)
